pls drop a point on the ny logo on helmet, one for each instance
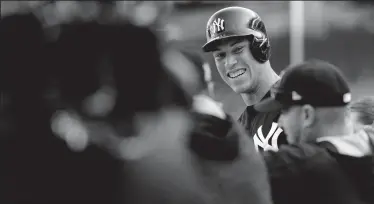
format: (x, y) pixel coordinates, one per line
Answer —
(217, 26)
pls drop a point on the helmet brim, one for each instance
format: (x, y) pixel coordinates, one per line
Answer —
(212, 44)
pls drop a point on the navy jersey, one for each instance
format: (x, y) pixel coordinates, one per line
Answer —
(263, 128)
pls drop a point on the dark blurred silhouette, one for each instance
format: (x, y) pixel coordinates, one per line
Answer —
(37, 167)
(95, 116)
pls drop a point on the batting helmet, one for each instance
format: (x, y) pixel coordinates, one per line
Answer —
(233, 22)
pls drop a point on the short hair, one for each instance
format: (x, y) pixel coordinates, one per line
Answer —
(365, 108)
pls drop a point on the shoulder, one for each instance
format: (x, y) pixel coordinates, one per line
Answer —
(250, 114)
(293, 157)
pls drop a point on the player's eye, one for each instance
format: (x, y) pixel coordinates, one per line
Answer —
(238, 50)
(219, 56)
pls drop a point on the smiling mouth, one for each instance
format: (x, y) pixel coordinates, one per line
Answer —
(236, 73)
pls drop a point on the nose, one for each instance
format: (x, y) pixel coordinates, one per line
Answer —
(230, 60)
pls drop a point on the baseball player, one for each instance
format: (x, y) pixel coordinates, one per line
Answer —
(241, 49)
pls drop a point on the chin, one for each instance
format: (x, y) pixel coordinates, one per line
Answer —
(238, 90)
(242, 89)
(292, 139)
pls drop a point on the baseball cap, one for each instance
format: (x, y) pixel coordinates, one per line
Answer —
(314, 82)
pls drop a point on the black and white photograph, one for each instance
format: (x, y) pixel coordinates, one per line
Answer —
(187, 102)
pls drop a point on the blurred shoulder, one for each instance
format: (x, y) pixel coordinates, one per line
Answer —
(293, 157)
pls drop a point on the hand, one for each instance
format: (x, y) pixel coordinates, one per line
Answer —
(70, 129)
(206, 105)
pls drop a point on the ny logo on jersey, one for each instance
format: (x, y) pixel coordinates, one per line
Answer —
(217, 26)
(273, 134)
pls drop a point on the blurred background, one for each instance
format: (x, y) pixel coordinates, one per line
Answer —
(341, 32)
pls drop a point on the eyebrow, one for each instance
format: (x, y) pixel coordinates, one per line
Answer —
(236, 42)
(231, 44)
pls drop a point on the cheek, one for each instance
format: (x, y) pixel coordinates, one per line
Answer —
(292, 124)
(354, 117)
(288, 123)
(357, 127)
(246, 57)
(221, 69)
(356, 123)
(296, 119)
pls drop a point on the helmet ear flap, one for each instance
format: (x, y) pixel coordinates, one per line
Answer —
(260, 45)
(260, 48)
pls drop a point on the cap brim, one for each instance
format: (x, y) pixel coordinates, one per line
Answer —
(268, 105)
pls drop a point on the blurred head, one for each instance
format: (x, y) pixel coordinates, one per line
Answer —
(362, 112)
(96, 82)
(106, 81)
(307, 123)
(31, 80)
(241, 49)
(312, 97)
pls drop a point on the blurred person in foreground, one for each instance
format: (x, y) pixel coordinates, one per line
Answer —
(90, 87)
(325, 161)
(159, 142)
(238, 40)
(39, 76)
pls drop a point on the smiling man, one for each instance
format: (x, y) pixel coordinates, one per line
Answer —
(241, 49)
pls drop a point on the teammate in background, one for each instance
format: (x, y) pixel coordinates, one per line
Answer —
(325, 161)
(241, 49)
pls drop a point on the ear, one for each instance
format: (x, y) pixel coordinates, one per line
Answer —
(308, 115)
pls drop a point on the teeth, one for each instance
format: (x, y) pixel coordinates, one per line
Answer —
(237, 73)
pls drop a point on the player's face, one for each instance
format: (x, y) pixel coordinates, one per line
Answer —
(237, 66)
(291, 122)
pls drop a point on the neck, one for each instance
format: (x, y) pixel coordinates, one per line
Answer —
(255, 96)
(337, 130)
(334, 130)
